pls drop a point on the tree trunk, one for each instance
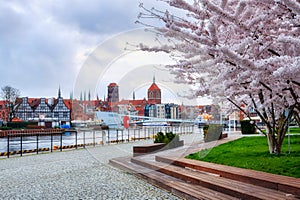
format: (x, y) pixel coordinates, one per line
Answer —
(275, 142)
(271, 141)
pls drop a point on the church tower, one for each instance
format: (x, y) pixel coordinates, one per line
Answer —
(113, 92)
(154, 93)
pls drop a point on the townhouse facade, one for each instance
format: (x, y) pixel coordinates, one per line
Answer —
(47, 112)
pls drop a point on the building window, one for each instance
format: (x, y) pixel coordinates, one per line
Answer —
(65, 114)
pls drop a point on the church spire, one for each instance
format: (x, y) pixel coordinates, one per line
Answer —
(59, 93)
(153, 78)
(133, 95)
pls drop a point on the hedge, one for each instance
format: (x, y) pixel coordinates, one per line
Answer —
(19, 125)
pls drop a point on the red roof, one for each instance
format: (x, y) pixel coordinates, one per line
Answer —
(112, 85)
(3, 102)
(133, 102)
(68, 103)
(154, 87)
(138, 102)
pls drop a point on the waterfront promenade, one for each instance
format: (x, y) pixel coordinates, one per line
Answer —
(78, 174)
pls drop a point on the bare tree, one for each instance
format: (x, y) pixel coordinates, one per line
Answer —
(10, 95)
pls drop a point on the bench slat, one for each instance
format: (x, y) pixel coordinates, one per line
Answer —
(220, 184)
(176, 186)
(272, 181)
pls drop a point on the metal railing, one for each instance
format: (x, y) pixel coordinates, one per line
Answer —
(20, 144)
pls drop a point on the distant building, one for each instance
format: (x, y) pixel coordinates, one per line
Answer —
(43, 108)
(172, 111)
(61, 111)
(113, 92)
(154, 93)
(160, 111)
(24, 109)
(3, 111)
(152, 110)
(168, 111)
(132, 107)
(49, 112)
(188, 112)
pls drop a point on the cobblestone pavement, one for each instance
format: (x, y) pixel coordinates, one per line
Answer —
(77, 174)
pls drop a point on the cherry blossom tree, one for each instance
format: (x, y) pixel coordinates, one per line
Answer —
(247, 51)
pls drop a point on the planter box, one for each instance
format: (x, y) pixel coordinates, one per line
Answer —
(214, 133)
(151, 148)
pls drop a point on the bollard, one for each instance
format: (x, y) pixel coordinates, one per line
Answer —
(83, 139)
(103, 137)
(76, 139)
(51, 141)
(117, 136)
(37, 143)
(8, 145)
(21, 142)
(61, 141)
(94, 137)
(128, 134)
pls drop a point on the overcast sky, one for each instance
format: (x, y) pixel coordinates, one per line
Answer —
(77, 45)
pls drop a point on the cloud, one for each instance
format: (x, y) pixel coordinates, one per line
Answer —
(96, 16)
(47, 44)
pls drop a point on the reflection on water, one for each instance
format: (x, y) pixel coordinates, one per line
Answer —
(35, 142)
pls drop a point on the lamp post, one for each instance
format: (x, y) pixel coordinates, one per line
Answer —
(286, 113)
(234, 124)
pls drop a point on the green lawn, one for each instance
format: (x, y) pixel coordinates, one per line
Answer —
(295, 130)
(253, 153)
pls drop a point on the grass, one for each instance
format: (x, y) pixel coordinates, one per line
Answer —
(294, 130)
(253, 153)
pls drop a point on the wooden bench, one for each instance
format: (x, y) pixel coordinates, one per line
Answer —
(148, 148)
(276, 182)
(178, 187)
(220, 184)
(151, 148)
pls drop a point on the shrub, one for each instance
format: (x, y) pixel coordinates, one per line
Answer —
(247, 127)
(159, 138)
(170, 135)
(164, 138)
